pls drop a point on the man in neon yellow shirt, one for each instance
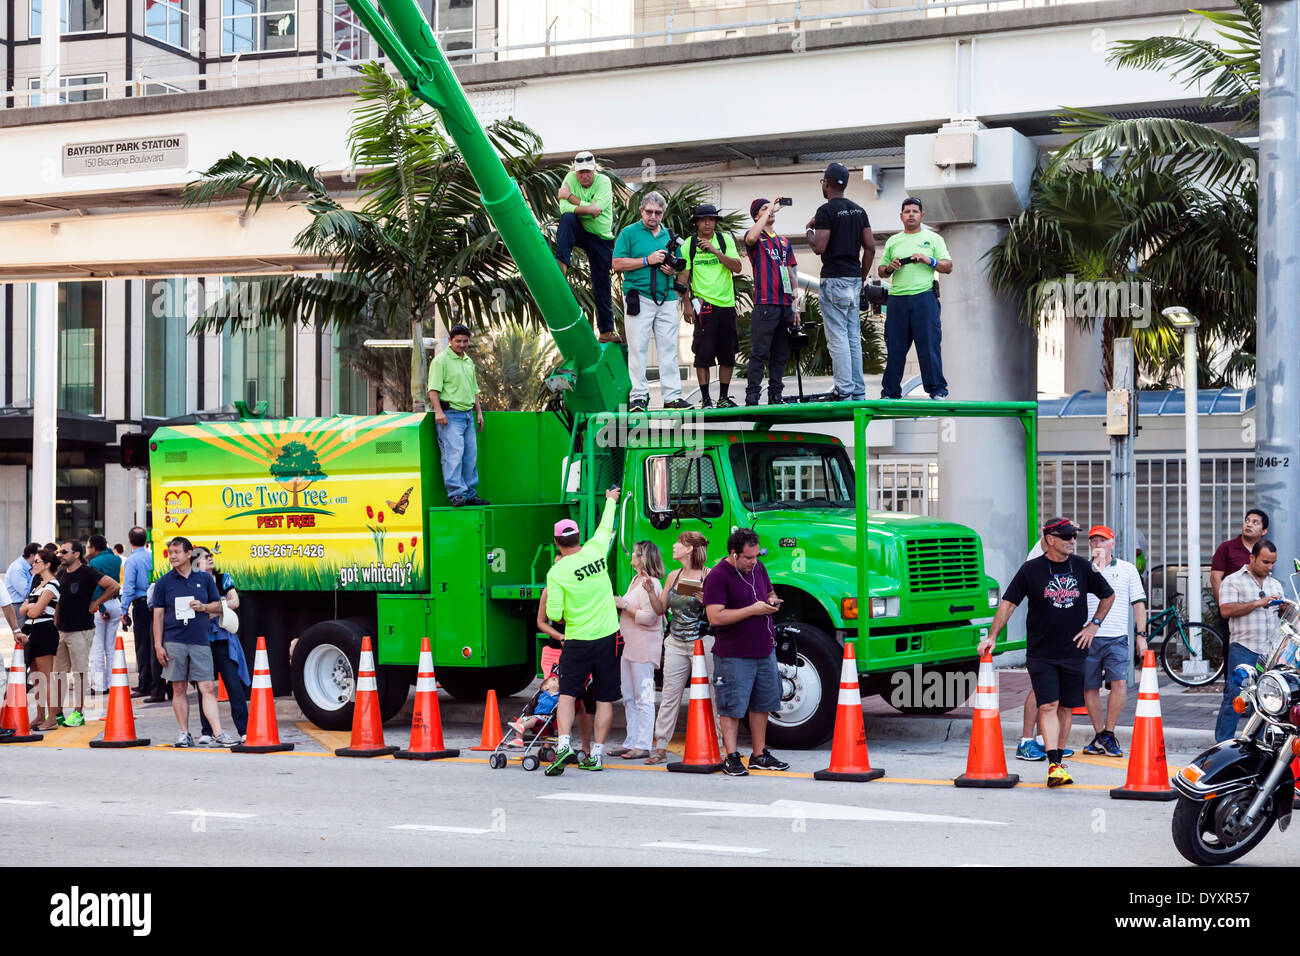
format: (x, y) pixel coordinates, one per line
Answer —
(453, 395)
(712, 260)
(579, 591)
(587, 221)
(912, 257)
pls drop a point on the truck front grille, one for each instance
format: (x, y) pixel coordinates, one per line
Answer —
(943, 564)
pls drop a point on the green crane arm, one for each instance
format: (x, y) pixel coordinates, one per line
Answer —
(599, 372)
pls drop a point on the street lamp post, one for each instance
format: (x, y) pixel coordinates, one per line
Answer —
(1179, 317)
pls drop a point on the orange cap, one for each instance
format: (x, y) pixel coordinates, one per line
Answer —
(1100, 530)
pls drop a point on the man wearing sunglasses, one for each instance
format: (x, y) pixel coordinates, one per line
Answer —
(1249, 600)
(1058, 632)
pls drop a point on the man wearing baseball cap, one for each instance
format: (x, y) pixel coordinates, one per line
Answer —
(1058, 632)
(912, 257)
(579, 592)
(775, 280)
(712, 262)
(1108, 655)
(587, 221)
(842, 237)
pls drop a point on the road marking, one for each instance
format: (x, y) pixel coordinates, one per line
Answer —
(1115, 763)
(778, 809)
(331, 740)
(211, 813)
(68, 736)
(423, 826)
(11, 801)
(705, 847)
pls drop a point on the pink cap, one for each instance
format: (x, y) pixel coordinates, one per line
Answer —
(567, 526)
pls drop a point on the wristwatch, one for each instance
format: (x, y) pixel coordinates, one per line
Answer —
(1095, 621)
(1140, 633)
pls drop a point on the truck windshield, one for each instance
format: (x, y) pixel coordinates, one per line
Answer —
(771, 475)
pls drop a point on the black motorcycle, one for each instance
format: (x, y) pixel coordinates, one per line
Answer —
(1231, 795)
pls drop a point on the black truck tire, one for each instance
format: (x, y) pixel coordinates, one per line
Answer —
(324, 669)
(466, 683)
(810, 692)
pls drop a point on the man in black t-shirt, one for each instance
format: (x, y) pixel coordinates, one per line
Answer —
(841, 235)
(1058, 632)
(75, 619)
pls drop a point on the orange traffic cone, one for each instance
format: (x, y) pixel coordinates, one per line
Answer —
(426, 722)
(849, 759)
(986, 763)
(491, 735)
(263, 735)
(702, 755)
(120, 729)
(367, 722)
(1148, 774)
(14, 715)
(221, 690)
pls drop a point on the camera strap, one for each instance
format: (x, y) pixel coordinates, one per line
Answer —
(655, 273)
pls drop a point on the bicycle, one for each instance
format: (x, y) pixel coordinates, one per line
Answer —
(1177, 646)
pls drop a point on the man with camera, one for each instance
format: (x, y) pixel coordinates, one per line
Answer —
(587, 221)
(712, 260)
(842, 237)
(775, 280)
(644, 254)
(912, 257)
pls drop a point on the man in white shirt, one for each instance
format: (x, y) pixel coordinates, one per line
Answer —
(1108, 654)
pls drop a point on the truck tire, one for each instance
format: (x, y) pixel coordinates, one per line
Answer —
(465, 683)
(324, 669)
(943, 670)
(809, 692)
(395, 682)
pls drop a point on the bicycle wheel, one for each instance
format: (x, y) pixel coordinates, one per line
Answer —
(1177, 650)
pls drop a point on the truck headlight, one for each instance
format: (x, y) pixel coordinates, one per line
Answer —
(886, 607)
(995, 597)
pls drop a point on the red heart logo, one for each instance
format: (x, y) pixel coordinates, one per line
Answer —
(174, 510)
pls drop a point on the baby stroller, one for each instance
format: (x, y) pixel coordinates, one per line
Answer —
(539, 742)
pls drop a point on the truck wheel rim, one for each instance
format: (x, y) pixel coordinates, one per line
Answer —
(328, 677)
(801, 693)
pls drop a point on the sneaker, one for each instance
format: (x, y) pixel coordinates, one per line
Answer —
(61, 720)
(1095, 746)
(610, 337)
(225, 739)
(183, 739)
(476, 501)
(562, 756)
(679, 404)
(205, 740)
(939, 395)
(1057, 776)
(638, 405)
(767, 761)
(1110, 745)
(726, 402)
(459, 501)
(1029, 750)
(74, 719)
(1066, 753)
(733, 767)
(708, 403)
(591, 762)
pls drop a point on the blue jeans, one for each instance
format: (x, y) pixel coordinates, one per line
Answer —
(1226, 726)
(908, 319)
(458, 448)
(840, 301)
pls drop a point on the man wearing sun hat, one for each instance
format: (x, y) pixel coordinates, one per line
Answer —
(1108, 653)
(587, 221)
(579, 591)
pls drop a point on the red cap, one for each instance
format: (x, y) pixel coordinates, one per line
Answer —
(1100, 530)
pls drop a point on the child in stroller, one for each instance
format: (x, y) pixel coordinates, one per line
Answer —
(538, 713)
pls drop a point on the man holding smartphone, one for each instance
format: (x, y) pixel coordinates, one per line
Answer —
(775, 280)
(1249, 600)
(740, 602)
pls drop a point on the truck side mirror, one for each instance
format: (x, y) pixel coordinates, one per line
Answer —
(656, 485)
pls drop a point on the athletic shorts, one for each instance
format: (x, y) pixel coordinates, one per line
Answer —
(1057, 681)
(1107, 661)
(186, 662)
(742, 684)
(714, 342)
(597, 658)
(551, 652)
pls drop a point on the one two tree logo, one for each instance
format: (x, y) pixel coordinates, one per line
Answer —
(296, 467)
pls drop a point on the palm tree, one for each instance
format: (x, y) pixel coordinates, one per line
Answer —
(1165, 203)
(512, 361)
(420, 244)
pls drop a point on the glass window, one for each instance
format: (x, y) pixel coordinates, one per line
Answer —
(75, 16)
(344, 38)
(692, 484)
(257, 366)
(73, 89)
(784, 475)
(165, 325)
(81, 346)
(258, 26)
(350, 390)
(79, 502)
(452, 22)
(168, 21)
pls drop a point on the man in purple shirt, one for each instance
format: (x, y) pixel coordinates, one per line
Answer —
(739, 601)
(1234, 554)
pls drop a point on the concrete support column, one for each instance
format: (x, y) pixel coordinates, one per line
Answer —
(989, 355)
(45, 410)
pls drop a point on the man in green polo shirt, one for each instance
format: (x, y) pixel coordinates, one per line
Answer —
(453, 395)
(579, 592)
(639, 254)
(587, 221)
(912, 257)
(712, 262)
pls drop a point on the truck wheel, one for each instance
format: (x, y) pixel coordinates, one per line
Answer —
(465, 683)
(949, 700)
(809, 692)
(394, 688)
(324, 669)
